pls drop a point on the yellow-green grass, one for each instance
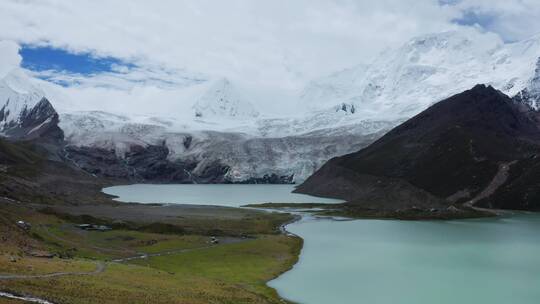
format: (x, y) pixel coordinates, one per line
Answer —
(206, 220)
(231, 273)
(248, 264)
(178, 242)
(234, 272)
(25, 265)
(11, 301)
(65, 238)
(144, 242)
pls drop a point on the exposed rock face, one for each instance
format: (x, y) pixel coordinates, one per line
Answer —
(347, 108)
(141, 164)
(25, 114)
(150, 164)
(214, 157)
(37, 122)
(446, 155)
(210, 156)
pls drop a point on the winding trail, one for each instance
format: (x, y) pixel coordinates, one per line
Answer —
(100, 265)
(498, 180)
(100, 268)
(164, 253)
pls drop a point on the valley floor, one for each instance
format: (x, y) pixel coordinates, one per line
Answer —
(140, 262)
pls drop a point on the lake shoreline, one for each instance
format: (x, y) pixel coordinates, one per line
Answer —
(328, 212)
(354, 212)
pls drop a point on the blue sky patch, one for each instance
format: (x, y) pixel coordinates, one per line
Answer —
(47, 58)
(472, 18)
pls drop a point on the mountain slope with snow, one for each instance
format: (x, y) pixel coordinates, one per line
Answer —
(531, 93)
(405, 81)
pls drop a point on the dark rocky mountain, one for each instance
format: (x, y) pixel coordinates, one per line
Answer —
(478, 148)
(29, 174)
(38, 124)
(39, 121)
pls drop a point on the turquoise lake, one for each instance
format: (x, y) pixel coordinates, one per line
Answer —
(221, 195)
(486, 261)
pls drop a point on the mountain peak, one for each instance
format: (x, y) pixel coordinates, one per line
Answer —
(480, 107)
(17, 94)
(25, 112)
(222, 100)
(482, 88)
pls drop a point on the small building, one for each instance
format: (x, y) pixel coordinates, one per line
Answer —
(102, 228)
(94, 227)
(24, 225)
(214, 240)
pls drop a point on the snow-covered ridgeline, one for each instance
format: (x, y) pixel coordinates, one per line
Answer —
(402, 82)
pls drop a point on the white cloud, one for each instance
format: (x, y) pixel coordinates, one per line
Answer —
(141, 92)
(271, 43)
(512, 19)
(9, 57)
(269, 48)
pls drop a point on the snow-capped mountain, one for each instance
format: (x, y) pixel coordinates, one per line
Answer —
(223, 101)
(405, 81)
(226, 139)
(25, 113)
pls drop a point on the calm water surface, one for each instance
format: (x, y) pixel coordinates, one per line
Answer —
(485, 261)
(222, 195)
(488, 261)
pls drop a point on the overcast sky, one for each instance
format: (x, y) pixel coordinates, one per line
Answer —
(274, 45)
